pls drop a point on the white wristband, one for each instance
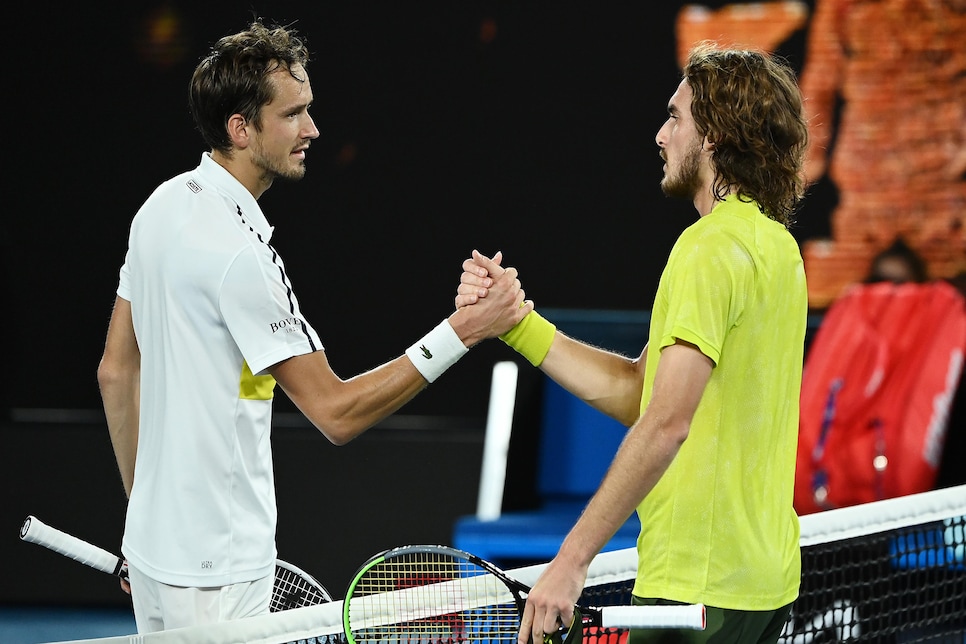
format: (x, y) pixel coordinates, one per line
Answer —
(436, 351)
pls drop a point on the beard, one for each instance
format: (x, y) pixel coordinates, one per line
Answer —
(275, 167)
(685, 182)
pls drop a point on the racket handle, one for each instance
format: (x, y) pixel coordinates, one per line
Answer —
(675, 616)
(36, 531)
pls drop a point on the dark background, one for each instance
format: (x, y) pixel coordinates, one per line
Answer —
(537, 140)
(540, 144)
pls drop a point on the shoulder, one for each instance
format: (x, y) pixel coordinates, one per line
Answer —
(180, 192)
(716, 234)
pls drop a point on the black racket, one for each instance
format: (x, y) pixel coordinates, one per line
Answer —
(431, 594)
(293, 587)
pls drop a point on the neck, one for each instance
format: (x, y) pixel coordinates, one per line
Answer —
(239, 167)
(704, 203)
(705, 199)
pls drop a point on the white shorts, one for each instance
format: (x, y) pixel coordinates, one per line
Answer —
(159, 607)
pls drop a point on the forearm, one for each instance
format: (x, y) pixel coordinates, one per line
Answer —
(120, 397)
(119, 379)
(646, 453)
(368, 398)
(344, 409)
(638, 465)
(608, 382)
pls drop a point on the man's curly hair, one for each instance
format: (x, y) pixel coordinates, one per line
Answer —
(749, 105)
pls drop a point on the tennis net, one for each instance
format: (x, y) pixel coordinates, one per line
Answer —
(889, 571)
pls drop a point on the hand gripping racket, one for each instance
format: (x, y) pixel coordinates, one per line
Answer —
(424, 594)
(293, 588)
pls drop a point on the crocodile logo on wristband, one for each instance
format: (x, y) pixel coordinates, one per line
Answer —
(426, 352)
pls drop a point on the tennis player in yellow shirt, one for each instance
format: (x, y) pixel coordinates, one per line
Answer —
(712, 401)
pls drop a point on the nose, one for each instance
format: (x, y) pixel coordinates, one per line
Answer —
(661, 137)
(310, 132)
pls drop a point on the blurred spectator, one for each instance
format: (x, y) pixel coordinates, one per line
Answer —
(898, 263)
(884, 84)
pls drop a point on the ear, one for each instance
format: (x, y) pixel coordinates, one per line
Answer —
(238, 131)
(708, 145)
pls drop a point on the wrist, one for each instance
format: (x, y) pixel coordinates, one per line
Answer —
(531, 337)
(436, 351)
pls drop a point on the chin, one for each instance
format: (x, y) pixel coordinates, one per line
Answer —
(294, 174)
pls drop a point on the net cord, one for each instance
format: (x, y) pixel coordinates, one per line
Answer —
(613, 566)
(882, 516)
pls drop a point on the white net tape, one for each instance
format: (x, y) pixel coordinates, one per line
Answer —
(323, 623)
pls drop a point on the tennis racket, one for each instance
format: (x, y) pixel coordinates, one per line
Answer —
(293, 587)
(425, 593)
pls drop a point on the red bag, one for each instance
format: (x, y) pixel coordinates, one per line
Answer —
(879, 380)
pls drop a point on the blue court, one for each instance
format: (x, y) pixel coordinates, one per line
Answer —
(31, 625)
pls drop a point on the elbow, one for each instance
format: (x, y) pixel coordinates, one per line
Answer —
(335, 434)
(337, 416)
(108, 375)
(339, 430)
(677, 433)
(668, 434)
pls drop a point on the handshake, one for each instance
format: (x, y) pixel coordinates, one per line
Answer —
(490, 302)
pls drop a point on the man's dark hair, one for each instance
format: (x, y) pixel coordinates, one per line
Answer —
(234, 78)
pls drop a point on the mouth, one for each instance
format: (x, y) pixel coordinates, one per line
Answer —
(299, 153)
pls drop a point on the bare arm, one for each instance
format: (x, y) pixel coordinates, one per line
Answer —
(119, 378)
(606, 381)
(647, 451)
(343, 409)
(609, 382)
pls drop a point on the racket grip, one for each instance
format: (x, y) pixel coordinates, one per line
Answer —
(36, 531)
(675, 616)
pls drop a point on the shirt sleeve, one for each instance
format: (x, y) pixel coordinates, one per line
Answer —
(124, 278)
(711, 274)
(262, 313)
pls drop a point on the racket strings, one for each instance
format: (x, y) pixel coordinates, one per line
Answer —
(431, 598)
(292, 590)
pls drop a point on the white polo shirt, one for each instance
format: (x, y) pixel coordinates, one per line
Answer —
(213, 308)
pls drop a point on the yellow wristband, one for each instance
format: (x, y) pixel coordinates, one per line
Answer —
(531, 337)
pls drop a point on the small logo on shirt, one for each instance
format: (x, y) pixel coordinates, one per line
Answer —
(288, 325)
(193, 187)
(426, 352)
(207, 565)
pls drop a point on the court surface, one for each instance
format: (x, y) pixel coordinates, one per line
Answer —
(31, 625)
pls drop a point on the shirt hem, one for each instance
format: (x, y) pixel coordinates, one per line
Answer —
(200, 581)
(728, 601)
